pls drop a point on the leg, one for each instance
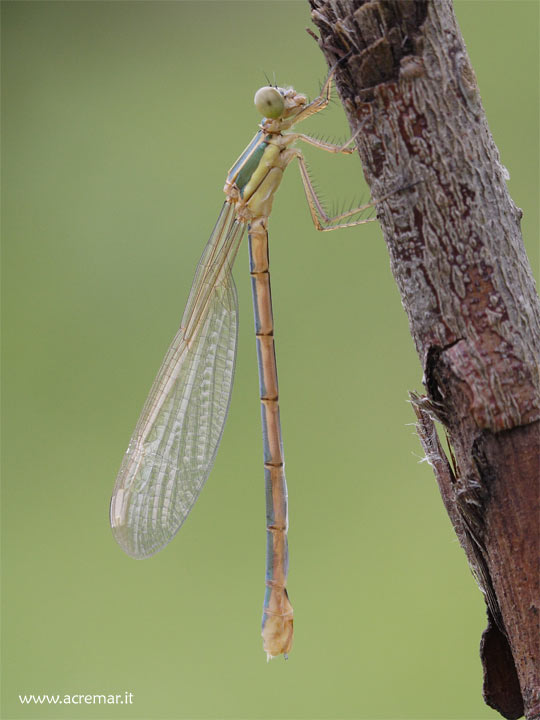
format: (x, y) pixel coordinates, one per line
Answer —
(321, 219)
(322, 144)
(319, 103)
(322, 100)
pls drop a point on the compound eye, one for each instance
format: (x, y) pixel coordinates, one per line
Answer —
(269, 102)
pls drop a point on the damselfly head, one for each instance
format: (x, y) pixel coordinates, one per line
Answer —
(269, 102)
(275, 102)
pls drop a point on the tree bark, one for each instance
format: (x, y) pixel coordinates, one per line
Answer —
(455, 246)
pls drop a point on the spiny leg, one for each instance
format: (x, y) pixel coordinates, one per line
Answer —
(323, 144)
(323, 98)
(318, 213)
(320, 102)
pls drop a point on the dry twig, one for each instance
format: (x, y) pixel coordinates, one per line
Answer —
(458, 259)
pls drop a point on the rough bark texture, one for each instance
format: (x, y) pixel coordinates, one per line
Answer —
(458, 259)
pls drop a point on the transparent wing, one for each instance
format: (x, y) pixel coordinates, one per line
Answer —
(173, 447)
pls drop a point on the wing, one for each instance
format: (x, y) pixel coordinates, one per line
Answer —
(173, 447)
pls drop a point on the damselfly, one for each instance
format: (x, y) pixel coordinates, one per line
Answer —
(174, 444)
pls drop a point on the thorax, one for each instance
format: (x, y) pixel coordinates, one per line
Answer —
(256, 175)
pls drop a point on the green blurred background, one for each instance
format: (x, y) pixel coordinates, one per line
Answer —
(120, 121)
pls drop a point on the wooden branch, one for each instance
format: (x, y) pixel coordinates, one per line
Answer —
(458, 259)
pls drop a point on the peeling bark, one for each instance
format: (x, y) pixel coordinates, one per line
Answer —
(458, 259)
